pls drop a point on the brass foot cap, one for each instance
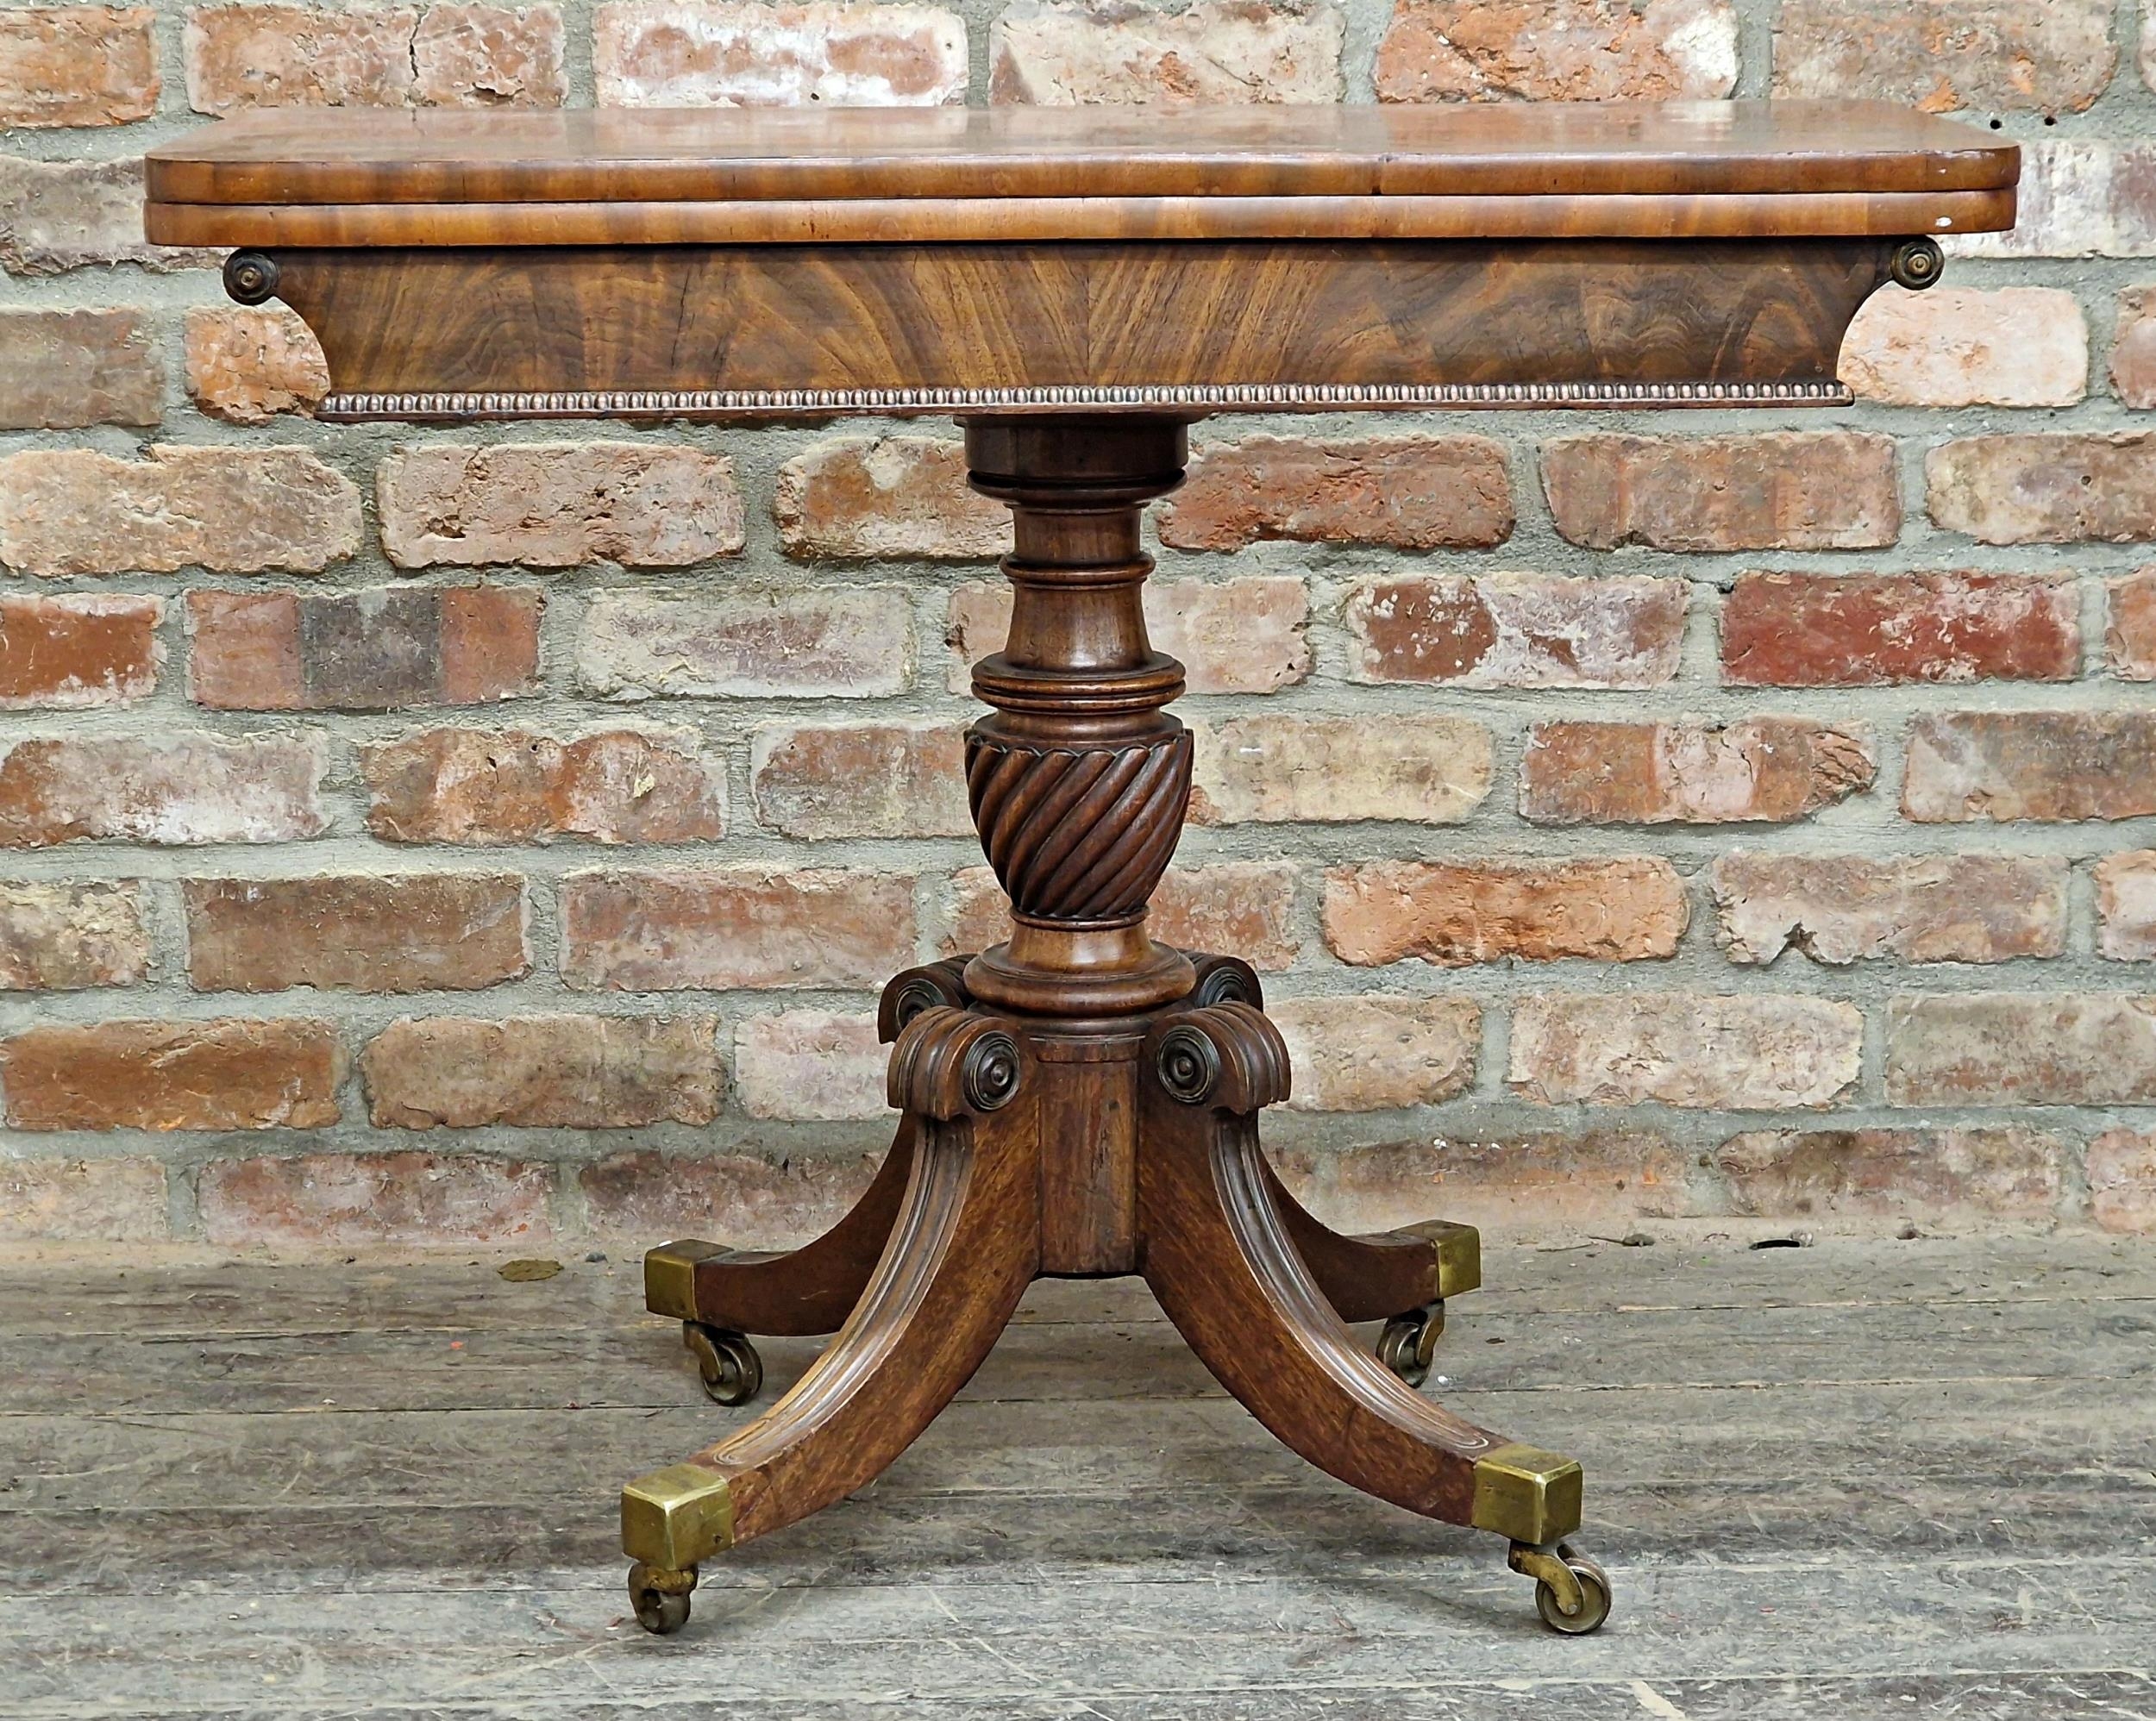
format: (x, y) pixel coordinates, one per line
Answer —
(675, 1516)
(1460, 1251)
(670, 1277)
(1527, 1494)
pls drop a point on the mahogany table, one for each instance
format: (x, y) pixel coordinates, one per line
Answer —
(1077, 286)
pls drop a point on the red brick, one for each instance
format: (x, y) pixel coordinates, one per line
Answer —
(493, 786)
(1408, 492)
(2126, 906)
(2079, 196)
(1964, 347)
(100, 1200)
(1965, 766)
(1787, 490)
(60, 370)
(396, 932)
(59, 938)
(1060, 52)
(1272, 770)
(407, 1200)
(860, 779)
(1769, 770)
(1557, 51)
(716, 929)
(246, 365)
(1243, 635)
(373, 650)
(1535, 1182)
(1882, 630)
(274, 56)
(887, 497)
(1242, 908)
(56, 215)
(1449, 914)
(1378, 1054)
(2005, 1048)
(557, 505)
(2123, 1181)
(231, 1073)
(1995, 56)
(754, 1203)
(2045, 488)
(1926, 1175)
(1744, 1054)
(2130, 643)
(78, 65)
(69, 654)
(1517, 629)
(816, 1064)
(2134, 348)
(231, 510)
(173, 787)
(1847, 908)
(708, 53)
(837, 642)
(543, 1072)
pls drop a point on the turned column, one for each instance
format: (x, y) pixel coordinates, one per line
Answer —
(1079, 783)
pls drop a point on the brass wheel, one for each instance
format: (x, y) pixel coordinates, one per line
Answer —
(732, 1371)
(1589, 1580)
(661, 1598)
(1410, 1341)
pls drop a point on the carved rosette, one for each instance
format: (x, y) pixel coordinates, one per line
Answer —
(1079, 835)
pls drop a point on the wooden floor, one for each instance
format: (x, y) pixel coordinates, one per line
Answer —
(1855, 1479)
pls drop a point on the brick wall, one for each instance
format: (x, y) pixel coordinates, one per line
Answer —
(419, 837)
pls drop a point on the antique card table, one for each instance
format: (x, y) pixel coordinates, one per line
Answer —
(1076, 286)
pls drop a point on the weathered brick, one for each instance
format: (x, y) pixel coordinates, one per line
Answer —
(1517, 629)
(100, 1200)
(818, 1064)
(1245, 908)
(1535, 1182)
(755, 1203)
(1377, 1054)
(1275, 770)
(2045, 488)
(2126, 906)
(1742, 1053)
(231, 510)
(1787, 490)
(1058, 52)
(717, 928)
(2130, 641)
(169, 788)
(1405, 492)
(393, 932)
(247, 365)
(372, 650)
(406, 1200)
(899, 498)
(1922, 1174)
(557, 505)
(1881, 630)
(1965, 766)
(56, 215)
(2122, 1180)
(2079, 196)
(1964, 347)
(1996, 56)
(274, 56)
(78, 65)
(1558, 50)
(490, 786)
(708, 53)
(1241, 636)
(232, 1073)
(1847, 908)
(2006, 1048)
(2134, 348)
(69, 654)
(1452, 914)
(63, 937)
(62, 369)
(835, 642)
(860, 779)
(1767, 770)
(544, 1072)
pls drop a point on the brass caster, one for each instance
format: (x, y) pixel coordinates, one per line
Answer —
(1410, 1341)
(1571, 1592)
(732, 1370)
(661, 1597)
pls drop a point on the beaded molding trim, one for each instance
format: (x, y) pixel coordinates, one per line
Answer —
(1193, 396)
